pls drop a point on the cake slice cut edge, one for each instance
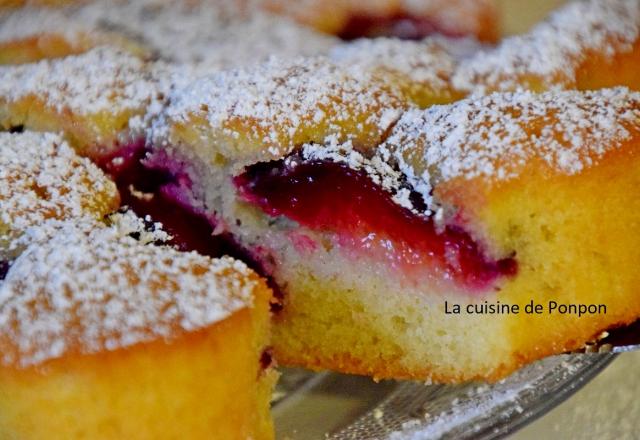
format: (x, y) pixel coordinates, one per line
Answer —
(346, 308)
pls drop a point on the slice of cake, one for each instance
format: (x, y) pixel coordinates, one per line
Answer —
(42, 178)
(584, 45)
(31, 34)
(105, 336)
(506, 199)
(213, 35)
(97, 99)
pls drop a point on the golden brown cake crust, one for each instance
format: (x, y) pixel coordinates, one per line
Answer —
(43, 178)
(263, 113)
(498, 136)
(97, 99)
(420, 70)
(80, 287)
(582, 43)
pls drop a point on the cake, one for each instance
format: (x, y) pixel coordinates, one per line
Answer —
(32, 34)
(584, 45)
(367, 240)
(406, 201)
(421, 71)
(42, 178)
(97, 99)
(105, 334)
(177, 31)
(346, 19)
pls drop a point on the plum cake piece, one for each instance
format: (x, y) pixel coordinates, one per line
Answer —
(107, 336)
(487, 200)
(213, 35)
(98, 99)
(43, 178)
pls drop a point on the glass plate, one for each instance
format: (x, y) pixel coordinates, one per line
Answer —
(339, 407)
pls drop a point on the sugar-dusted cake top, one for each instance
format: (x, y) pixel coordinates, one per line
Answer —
(217, 35)
(28, 22)
(268, 109)
(491, 137)
(424, 61)
(552, 51)
(81, 288)
(42, 178)
(101, 80)
(495, 136)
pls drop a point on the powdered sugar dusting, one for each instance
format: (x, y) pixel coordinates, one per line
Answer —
(42, 177)
(216, 35)
(380, 172)
(495, 135)
(425, 62)
(146, 231)
(30, 22)
(554, 49)
(80, 287)
(101, 80)
(282, 103)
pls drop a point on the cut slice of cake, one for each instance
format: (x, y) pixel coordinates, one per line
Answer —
(97, 99)
(31, 34)
(105, 336)
(506, 199)
(42, 178)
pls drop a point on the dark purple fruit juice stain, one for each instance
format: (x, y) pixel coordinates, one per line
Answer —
(141, 189)
(4, 269)
(266, 358)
